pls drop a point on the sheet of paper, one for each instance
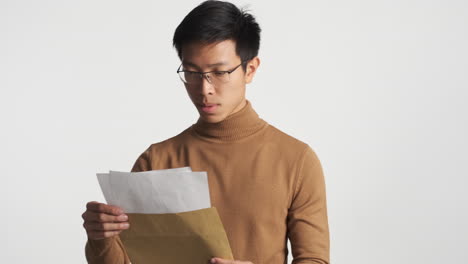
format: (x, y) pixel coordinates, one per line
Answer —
(103, 179)
(156, 192)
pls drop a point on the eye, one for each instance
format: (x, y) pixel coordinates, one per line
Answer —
(219, 73)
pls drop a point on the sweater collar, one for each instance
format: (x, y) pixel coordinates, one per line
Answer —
(236, 126)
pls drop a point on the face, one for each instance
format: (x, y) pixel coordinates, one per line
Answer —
(215, 102)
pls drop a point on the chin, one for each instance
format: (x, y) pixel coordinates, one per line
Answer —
(212, 118)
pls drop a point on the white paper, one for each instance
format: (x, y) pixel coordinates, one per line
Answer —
(156, 192)
(103, 179)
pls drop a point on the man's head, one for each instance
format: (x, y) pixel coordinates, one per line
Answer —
(217, 36)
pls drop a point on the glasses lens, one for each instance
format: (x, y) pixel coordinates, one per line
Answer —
(212, 77)
(189, 77)
(220, 77)
(182, 76)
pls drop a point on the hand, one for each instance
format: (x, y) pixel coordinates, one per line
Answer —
(102, 220)
(227, 261)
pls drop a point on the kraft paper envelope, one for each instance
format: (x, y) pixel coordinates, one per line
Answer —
(176, 238)
(170, 215)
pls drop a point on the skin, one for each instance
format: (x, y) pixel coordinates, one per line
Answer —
(230, 97)
(102, 220)
(227, 261)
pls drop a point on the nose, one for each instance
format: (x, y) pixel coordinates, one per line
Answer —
(207, 86)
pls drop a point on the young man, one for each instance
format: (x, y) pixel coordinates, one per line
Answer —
(266, 185)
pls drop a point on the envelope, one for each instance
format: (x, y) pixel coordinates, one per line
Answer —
(170, 215)
(176, 238)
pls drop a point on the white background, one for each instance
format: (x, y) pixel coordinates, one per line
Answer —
(377, 88)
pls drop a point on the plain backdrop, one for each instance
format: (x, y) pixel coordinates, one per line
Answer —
(377, 88)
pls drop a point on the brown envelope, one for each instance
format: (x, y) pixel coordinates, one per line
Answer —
(178, 238)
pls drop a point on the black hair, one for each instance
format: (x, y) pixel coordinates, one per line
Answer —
(213, 21)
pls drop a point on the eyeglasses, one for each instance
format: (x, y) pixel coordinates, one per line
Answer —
(213, 77)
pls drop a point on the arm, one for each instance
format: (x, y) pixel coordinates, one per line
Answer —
(307, 216)
(106, 251)
(103, 223)
(110, 250)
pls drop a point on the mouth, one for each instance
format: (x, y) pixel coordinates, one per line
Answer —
(206, 104)
(208, 107)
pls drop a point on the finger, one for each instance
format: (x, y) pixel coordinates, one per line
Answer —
(95, 235)
(104, 208)
(227, 261)
(221, 261)
(90, 216)
(96, 226)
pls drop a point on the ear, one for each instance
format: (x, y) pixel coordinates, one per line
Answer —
(251, 69)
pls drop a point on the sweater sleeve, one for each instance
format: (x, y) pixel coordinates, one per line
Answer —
(106, 251)
(111, 250)
(307, 220)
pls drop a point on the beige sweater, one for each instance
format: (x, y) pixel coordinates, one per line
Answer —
(266, 185)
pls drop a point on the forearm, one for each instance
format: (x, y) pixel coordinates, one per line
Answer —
(106, 251)
(307, 217)
(308, 261)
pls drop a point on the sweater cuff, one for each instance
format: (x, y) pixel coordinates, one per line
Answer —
(100, 246)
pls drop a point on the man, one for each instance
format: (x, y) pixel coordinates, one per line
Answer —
(266, 185)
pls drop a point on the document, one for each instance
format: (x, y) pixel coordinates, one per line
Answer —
(156, 192)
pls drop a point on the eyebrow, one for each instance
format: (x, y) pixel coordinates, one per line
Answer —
(188, 63)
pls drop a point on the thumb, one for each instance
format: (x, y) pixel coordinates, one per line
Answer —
(227, 261)
(221, 261)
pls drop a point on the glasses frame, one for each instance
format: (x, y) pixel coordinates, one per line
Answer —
(205, 75)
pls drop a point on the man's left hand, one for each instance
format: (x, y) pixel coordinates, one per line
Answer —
(228, 261)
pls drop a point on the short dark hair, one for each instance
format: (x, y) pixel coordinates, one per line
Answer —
(213, 21)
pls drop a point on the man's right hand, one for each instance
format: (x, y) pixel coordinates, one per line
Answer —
(102, 220)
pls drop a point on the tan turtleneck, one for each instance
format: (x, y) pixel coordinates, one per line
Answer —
(266, 185)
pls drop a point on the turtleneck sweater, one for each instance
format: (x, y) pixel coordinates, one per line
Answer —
(266, 185)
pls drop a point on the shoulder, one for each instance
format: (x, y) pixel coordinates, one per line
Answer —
(286, 142)
(165, 146)
(288, 148)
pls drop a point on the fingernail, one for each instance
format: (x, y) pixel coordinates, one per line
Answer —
(125, 225)
(122, 217)
(213, 260)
